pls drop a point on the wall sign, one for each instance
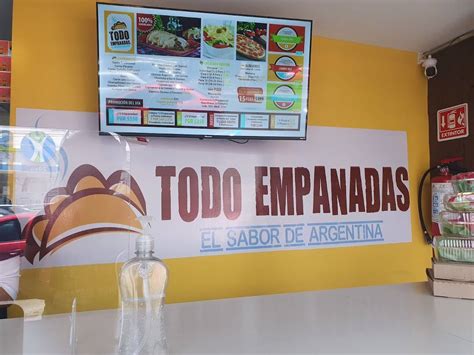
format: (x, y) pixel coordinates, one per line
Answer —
(342, 187)
(453, 123)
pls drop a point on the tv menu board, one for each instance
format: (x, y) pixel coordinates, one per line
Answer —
(181, 73)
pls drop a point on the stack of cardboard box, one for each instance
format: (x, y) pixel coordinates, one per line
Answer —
(5, 71)
(452, 279)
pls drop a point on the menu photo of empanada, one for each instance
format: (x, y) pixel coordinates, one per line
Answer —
(168, 35)
(89, 204)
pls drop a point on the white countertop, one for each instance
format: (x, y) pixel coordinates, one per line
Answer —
(385, 319)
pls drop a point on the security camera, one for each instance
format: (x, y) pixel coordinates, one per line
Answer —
(430, 67)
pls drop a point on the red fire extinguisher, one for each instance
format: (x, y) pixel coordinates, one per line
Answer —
(440, 187)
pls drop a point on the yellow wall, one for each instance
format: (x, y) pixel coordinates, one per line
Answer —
(353, 85)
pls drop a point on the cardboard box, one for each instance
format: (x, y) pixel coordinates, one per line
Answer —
(4, 95)
(5, 47)
(5, 79)
(453, 271)
(448, 288)
(5, 63)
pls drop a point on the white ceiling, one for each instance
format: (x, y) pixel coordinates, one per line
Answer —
(415, 25)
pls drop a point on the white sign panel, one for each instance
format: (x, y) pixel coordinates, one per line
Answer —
(342, 187)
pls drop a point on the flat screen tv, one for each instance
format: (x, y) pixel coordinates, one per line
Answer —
(165, 72)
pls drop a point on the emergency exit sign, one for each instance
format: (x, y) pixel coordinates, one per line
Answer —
(452, 123)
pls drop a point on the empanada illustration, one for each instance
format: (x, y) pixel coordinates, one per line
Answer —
(119, 25)
(166, 40)
(89, 204)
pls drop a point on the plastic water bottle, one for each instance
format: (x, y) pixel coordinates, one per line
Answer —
(142, 285)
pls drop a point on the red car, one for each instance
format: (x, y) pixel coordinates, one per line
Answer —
(10, 231)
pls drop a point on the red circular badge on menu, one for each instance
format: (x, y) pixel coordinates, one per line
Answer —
(145, 22)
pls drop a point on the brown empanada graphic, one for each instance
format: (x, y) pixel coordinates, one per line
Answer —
(89, 204)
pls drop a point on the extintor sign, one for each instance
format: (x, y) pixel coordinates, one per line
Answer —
(452, 123)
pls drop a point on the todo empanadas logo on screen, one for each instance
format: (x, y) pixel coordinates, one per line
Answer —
(119, 28)
(89, 204)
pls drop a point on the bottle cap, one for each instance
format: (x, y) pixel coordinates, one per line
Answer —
(144, 242)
